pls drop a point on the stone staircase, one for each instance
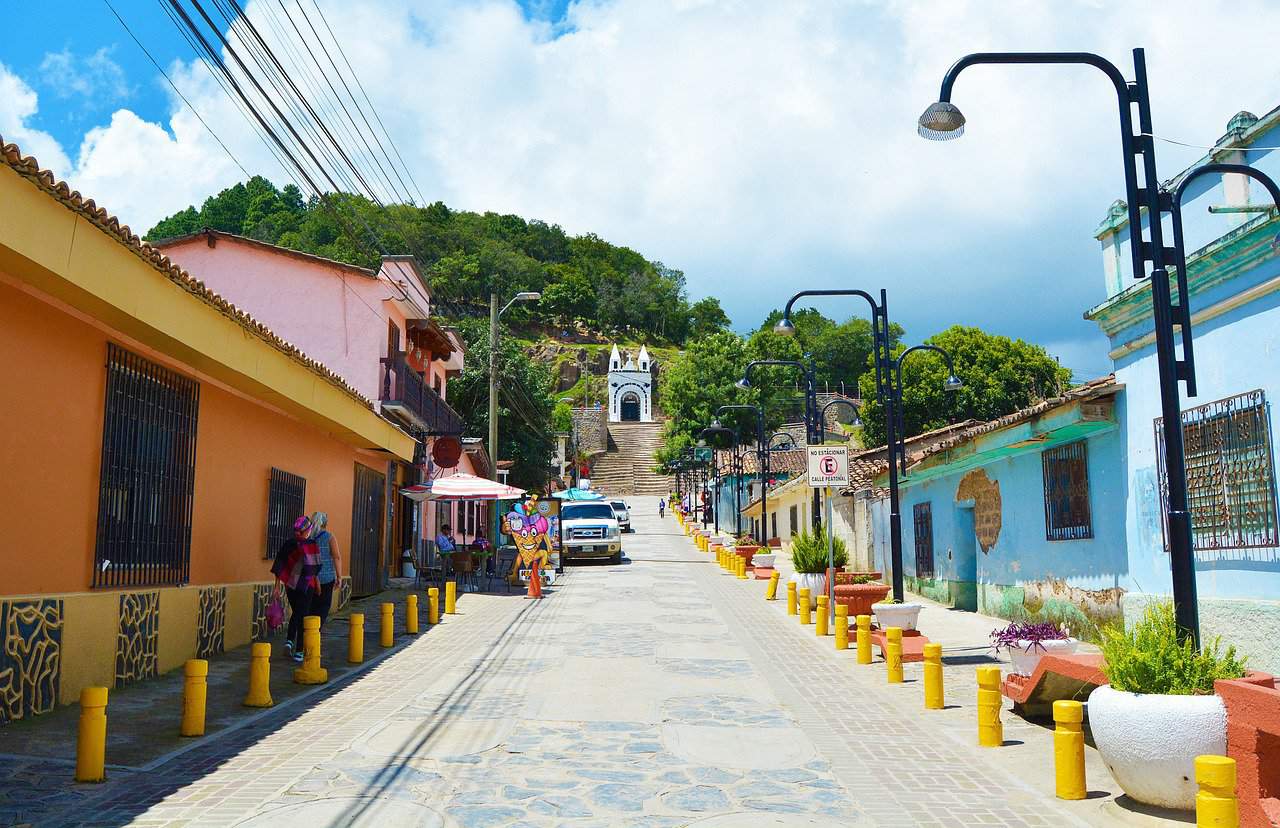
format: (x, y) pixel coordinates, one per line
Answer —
(627, 467)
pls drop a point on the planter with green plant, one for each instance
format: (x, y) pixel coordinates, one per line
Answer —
(1028, 643)
(894, 613)
(746, 546)
(859, 591)
(809, 560)
(1159, 711)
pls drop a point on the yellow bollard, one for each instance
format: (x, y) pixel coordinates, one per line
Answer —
(1216, 802)
(411, 614)
(310, 672)
(388, 631)
(803, 600)
(91, 744)
(864, 639)
(450, 597)
(1068, 751)
(990, 728)
(742, 567)
(433, 606)
(933, 677)
(820, 628)
(355, 638)
(195, 691)
(771, 593)
(842, 626)
(893, 653)
(259, 694)
(791, 598)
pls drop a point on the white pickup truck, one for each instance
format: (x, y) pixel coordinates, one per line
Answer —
(590, 531)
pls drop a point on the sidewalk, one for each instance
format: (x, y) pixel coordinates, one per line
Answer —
(923, 767)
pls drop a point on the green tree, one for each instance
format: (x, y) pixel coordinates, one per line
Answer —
(706, 317)
(695, 384)
(525, 403)
(1000, 375)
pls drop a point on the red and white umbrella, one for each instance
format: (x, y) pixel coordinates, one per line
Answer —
(462, 486)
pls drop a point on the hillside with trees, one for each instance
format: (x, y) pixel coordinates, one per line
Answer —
(586, 282)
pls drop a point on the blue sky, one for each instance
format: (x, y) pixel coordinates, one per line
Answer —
(760, 147)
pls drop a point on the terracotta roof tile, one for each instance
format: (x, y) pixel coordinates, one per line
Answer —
(29, 168)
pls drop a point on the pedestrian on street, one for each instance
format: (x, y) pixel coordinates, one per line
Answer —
(330, 573)
(662, 508)
(297, 570)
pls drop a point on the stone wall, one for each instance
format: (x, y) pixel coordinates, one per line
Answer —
(591, 425)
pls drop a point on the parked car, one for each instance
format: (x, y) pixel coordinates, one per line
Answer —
(623, 513)
(590, 531)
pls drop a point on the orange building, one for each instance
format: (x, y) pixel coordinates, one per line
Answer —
(157, 444)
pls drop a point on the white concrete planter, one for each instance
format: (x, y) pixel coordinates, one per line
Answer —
(902, 616)
(815, 581)
(765, 559)
(1026, 656)
(1150, 742)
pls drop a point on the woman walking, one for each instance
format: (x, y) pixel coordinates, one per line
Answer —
(297, 567)
(330, 573)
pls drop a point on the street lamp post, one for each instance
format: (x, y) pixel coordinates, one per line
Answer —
(944, 121)
(762, 462)
(735, 471)
(494, 316)
(810, 405)
(885, 393)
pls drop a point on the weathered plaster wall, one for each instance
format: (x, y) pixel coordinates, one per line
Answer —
(1001, 564)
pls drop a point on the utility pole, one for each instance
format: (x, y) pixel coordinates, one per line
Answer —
(493, 386)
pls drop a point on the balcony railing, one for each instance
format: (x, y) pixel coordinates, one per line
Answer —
(407, 395)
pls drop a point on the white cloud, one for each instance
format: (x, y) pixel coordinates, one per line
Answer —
(764, 146)
(95, 78)
(18, 104)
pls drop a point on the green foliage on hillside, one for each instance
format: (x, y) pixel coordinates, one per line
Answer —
(1001, 375)
(585, 281)
(525, 404)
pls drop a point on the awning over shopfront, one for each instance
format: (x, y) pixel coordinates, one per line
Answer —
(578, 494)
(462, 486)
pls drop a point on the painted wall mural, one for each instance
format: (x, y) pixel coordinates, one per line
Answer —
(138, 636)
(985, 494)
(261, 600)
(30, 657)
(344, 592)
(212, 621)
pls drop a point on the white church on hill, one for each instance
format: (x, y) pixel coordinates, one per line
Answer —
(630, 388)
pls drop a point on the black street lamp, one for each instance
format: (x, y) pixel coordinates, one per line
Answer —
(811, 427)
(944, 121)
(736, 452)
(762, 461)
(890, 396)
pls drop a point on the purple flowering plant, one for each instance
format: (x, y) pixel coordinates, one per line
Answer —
(1016, 633)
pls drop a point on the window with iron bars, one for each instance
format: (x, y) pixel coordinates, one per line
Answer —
(1066, 492)
(147, 474)
(922, 514)
(286, 502)
(1231, 486)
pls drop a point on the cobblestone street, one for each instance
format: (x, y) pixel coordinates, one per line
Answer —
(656, 693)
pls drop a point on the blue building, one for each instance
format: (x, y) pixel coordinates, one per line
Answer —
(1056, 512)
(1234, 285)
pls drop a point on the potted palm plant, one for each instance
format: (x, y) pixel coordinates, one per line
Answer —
(1159, 711)
(1027, 643)
(809, 560)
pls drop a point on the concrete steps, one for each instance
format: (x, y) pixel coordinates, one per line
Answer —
(626, 469)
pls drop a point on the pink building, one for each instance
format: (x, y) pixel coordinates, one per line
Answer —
(374, 329)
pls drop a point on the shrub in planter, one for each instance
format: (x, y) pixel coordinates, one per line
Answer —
(859, 591)
(1159, 712)
(1028, 643)
(809, 560)
(746, 546)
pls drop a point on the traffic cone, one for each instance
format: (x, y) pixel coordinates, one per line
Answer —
(535, 581)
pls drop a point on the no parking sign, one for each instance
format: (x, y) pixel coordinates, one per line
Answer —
(828, 466)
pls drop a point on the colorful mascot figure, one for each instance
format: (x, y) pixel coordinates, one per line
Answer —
(528, 526)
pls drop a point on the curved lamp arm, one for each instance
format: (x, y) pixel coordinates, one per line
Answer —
(1182, 310)
(822, 415)
(952, 384)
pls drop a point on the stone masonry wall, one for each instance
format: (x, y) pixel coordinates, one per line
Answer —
(592, 427)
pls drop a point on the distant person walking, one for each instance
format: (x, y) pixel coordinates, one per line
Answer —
(297, 570)
(330, 573)
(662, 508)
